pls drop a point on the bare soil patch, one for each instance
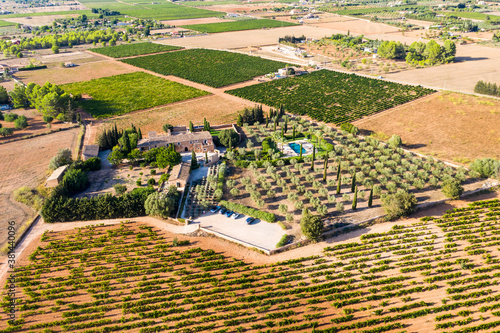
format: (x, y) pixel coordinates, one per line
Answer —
(35, 125)
(38, 20)
(24, 163)
(216, 109)
(358, 26)
(82, 72)
(452, 126)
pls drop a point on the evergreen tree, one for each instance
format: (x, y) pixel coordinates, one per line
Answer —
(286, 125)
(353, 182)
(191, 127)
(125, 142)
(338, 171)
(293, 133)
(194, 161)
(370, 198)
(206, 157)
(324, 169)
(267, 122)
(339, 184)
(271, 113)
(139, 134)
(300, 150)
(239, 122)
(355, 200)
(282, 132)
(313, 157)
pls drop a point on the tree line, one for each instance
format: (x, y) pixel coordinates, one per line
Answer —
(419, 53)
(487, 88)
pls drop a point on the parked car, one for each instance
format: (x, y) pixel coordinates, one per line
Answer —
(235, 215)
(215, 209)
(223, 210)
(250, 220)
(229, 213)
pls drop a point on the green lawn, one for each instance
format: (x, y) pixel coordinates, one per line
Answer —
(124, 93)
(210, 67)
(128, 50)
(238, 25)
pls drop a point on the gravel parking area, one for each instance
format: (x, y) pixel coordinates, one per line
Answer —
(259, 233)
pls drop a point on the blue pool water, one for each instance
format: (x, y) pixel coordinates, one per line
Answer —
(296, 147)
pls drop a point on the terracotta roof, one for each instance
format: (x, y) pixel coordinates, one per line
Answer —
(180, 171)
(174, 138)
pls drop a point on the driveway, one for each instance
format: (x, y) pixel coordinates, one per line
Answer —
(261, 234)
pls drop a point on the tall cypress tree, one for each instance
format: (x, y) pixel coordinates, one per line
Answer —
(300, 150)
(286, 125)
(355, 200)
(267, 121)
(370, 198)
(139, 134)
(324, 169)
(338, 171)
(313, 157)
(293, 133)
(353, 182)
(339, 184)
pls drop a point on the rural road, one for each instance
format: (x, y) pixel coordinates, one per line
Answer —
(39, 227)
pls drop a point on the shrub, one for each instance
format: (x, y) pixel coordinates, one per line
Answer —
(10, 117)
(29, 197)
(163, 178)
(21, 122)
(92, 164)
(120, 189)
(350, 128)
(394, 141)
(312, 227)
(151, 181)
(153, 172)
(486, 167)
(265, 216)
(6, 131)
(63, 157)
(283, 241)
(399, 204)
(229, 138)
(452, 188)
(138, 182)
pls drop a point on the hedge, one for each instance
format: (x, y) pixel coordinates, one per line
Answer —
(32, 68)
(268, 217)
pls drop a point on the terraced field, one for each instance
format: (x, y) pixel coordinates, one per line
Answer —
(439, 274)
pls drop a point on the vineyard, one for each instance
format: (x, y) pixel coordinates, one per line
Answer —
(331, 97)
(128, 50)
(210, 67)
(124, 93)
(438, 274)
(238, 25)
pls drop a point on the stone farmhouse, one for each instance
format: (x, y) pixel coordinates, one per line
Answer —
(183, 141)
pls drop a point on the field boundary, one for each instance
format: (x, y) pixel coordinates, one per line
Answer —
(40, 134)
(237, 241)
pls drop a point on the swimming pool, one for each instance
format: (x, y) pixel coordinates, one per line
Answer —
(296, 147)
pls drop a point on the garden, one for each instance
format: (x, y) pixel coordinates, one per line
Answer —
(331, 97)
(129, 50)
(210, 67)
(120, 94)
(132, 276)
(238, 25)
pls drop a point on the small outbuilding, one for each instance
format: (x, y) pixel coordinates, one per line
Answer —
(56, 176)
(90, 151)
(179, 176)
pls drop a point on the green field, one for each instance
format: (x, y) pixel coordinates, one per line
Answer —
(6, 24)
(238, 25)
(331, 96)
(128, 50)
(473, 15)
(66, 12)
(156, 11)
(124, 93)
(213, 68)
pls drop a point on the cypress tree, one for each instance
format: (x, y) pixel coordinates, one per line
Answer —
(355, 200)
(338, 171)
(370, 198)
(110, 142)
(134, 130)
(282, 132)
(286, 125)
(313, 157)
(206, 157)
(267, 121)
(339, 184)
(126, 143)
(300, 150)
(239, 122)
(324, 170)
(191, 126)
(275, 123)
(194, 161)
(353, 182)
(139, 134)
(293, 133)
